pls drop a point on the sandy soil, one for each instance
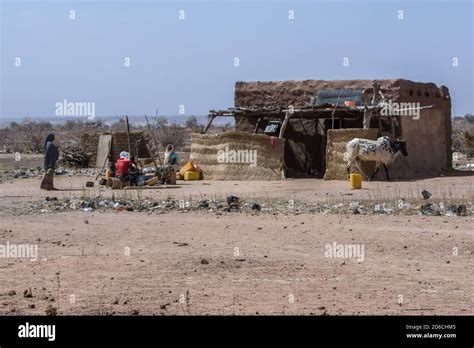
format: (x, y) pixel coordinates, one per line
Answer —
(278, 256)
(306, 190)
(237, 263)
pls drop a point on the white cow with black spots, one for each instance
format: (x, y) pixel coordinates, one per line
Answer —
(382, 151)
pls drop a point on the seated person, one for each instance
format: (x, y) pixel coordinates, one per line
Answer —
(122, 167)
(135, 172)
(171, 158)
(170, 164)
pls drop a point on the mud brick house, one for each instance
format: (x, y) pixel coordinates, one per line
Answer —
(138, 140)
(317, 106)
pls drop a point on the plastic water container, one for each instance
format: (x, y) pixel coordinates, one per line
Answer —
(356, 181)
(188, 167)
(190, 175)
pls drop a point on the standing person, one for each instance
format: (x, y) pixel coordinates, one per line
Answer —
(51, 155)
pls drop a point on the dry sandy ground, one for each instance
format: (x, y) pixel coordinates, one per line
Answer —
(307, 190)
(278, 258)
(265, 264)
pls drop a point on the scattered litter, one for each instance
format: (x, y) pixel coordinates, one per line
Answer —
(426, 194)
(381, 209)
(267, 205)
(404, 205)
(233, 202)
(37, 172)
(459, 210)
(86, 204)
(51, 311)
(426, 209)
(357, 208)
(203, 203)
(28, 293)
(256, 206)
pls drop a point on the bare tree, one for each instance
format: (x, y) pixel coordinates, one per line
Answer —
(35, 133)
(168, 133)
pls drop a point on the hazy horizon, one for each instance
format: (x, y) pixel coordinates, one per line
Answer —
(132, 57)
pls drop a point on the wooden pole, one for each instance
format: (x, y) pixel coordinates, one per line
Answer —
(367, 117)
(256, 126)
(285, 123)
(392, 126)
(209, 122)
(282, 134)
(128, 137)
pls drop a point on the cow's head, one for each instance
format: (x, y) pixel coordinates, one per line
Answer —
(400, 145)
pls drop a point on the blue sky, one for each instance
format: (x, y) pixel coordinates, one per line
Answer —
(190, 62)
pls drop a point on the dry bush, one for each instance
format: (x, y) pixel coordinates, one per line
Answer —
(463, 134)
(168, 133)
(27, 136)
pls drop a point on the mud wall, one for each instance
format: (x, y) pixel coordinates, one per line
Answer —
(281, 94)
(429, 137)
(89, 143)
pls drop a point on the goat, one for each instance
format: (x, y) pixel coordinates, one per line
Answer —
(382, 151)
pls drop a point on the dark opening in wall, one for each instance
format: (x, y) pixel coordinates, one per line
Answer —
(427, 94)
(418, 93)
(410, 92)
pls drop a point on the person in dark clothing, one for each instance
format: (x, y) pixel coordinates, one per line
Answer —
(135, 172)
(51, 155)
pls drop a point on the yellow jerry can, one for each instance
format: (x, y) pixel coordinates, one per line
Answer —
(190, 175)
(356, 181)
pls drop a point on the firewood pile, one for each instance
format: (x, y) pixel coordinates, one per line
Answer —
(74, 156)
